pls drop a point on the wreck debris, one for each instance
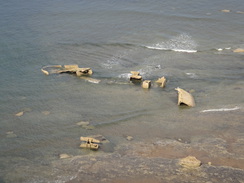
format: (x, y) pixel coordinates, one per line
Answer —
(83, 71)
(161, 81)
(146, 84)
(89, 142)
(185, 98)
(59, 69)
(46, 72)
(190, 162)
(135, 76)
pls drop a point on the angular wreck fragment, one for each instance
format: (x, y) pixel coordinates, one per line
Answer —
(146, 84)
(72, 69)
(135, 76)
(185, 98)
(89, 142)
(161, 81)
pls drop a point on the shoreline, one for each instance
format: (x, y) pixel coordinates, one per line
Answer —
(139, 161)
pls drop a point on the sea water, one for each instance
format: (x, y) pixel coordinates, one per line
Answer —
(191, 43)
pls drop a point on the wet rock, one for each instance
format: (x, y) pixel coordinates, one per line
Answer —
(239, 50)
(11, 134)
(129, 138)
(19, 114)
(225, 11)
(64, 156)
(185, 98)
(146, 84)
(22, 112)
(83, 123)
(190, 162)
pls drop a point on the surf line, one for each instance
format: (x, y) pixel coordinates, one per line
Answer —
(221, 109)
(171, 49)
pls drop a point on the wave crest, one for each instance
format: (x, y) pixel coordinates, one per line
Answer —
(181, 43)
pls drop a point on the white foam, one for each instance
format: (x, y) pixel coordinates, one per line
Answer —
(181, 43)
(187, 51)
(177, 50)
(125, 75)
(221, 109)
(191, 75)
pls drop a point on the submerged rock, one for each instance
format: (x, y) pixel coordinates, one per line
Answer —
(11, 134)
(83, 123)
(190, 162)
(129, 138)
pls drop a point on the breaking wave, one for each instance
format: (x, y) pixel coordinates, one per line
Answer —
(181, 43)
(221, 109)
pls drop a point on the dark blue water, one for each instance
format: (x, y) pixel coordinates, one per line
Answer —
(189, 42)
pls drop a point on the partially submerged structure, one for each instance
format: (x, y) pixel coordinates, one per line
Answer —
(161, 82)
(72, 69)
(185, 97)
(135, 76)
(90, 143)
(146, 84)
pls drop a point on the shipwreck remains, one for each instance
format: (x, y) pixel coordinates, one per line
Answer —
(90, 143)
(185, 98)
(135, 76)
(71, 69)
(161, 81)
(146, 84)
